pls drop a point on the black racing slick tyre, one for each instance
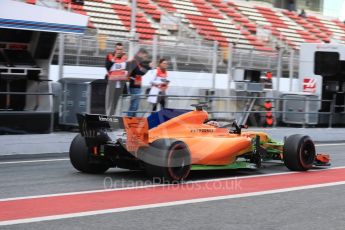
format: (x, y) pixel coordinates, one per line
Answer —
(80, 157)
(299, 153)
(167, 160)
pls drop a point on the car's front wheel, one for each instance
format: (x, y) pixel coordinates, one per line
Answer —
(299, 152)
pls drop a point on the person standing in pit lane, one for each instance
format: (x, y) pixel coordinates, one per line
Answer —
(137, 68)
(117, 76)
(159, 84)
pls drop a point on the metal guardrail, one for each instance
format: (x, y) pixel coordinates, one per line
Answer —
(24, 93)
(33, 109)
(187, 54)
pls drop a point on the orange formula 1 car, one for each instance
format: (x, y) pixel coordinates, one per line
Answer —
(186, 142)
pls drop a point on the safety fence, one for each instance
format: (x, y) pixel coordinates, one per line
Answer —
(244, 109)
(185, 54)
(20, 104)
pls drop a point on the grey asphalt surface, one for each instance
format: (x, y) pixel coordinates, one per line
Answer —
(321, 208)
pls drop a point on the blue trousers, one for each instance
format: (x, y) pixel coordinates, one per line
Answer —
(135, 100)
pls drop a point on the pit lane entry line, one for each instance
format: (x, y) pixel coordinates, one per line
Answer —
(151, 185)
(70, 206)
(33, 161)
(330, 144)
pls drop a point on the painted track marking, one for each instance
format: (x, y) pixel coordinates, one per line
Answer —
(160, 205)
(332, 144)
(53, 208)
(33, 161)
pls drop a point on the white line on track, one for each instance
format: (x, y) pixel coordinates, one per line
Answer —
(138, 187)
(156, 185)
(167, 204)
(32, 161)
(334, 144)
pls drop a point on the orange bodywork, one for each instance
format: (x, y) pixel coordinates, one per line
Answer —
(137, 132)
(323, 158)
(207, 144)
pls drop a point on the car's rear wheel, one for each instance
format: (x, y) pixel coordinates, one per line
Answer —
(80, 157)
(167, 160)
(299, 152)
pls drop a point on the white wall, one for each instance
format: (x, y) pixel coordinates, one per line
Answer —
(178, 79)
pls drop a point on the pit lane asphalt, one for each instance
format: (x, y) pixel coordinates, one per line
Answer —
(321, 208)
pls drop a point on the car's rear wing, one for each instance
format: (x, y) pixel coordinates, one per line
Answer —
(95, 126)
(91, 124)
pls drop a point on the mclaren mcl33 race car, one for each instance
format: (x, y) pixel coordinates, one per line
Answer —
(171, 143)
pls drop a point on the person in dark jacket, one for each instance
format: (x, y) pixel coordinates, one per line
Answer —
(291, 5)
(303, 14)
(137, 68)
